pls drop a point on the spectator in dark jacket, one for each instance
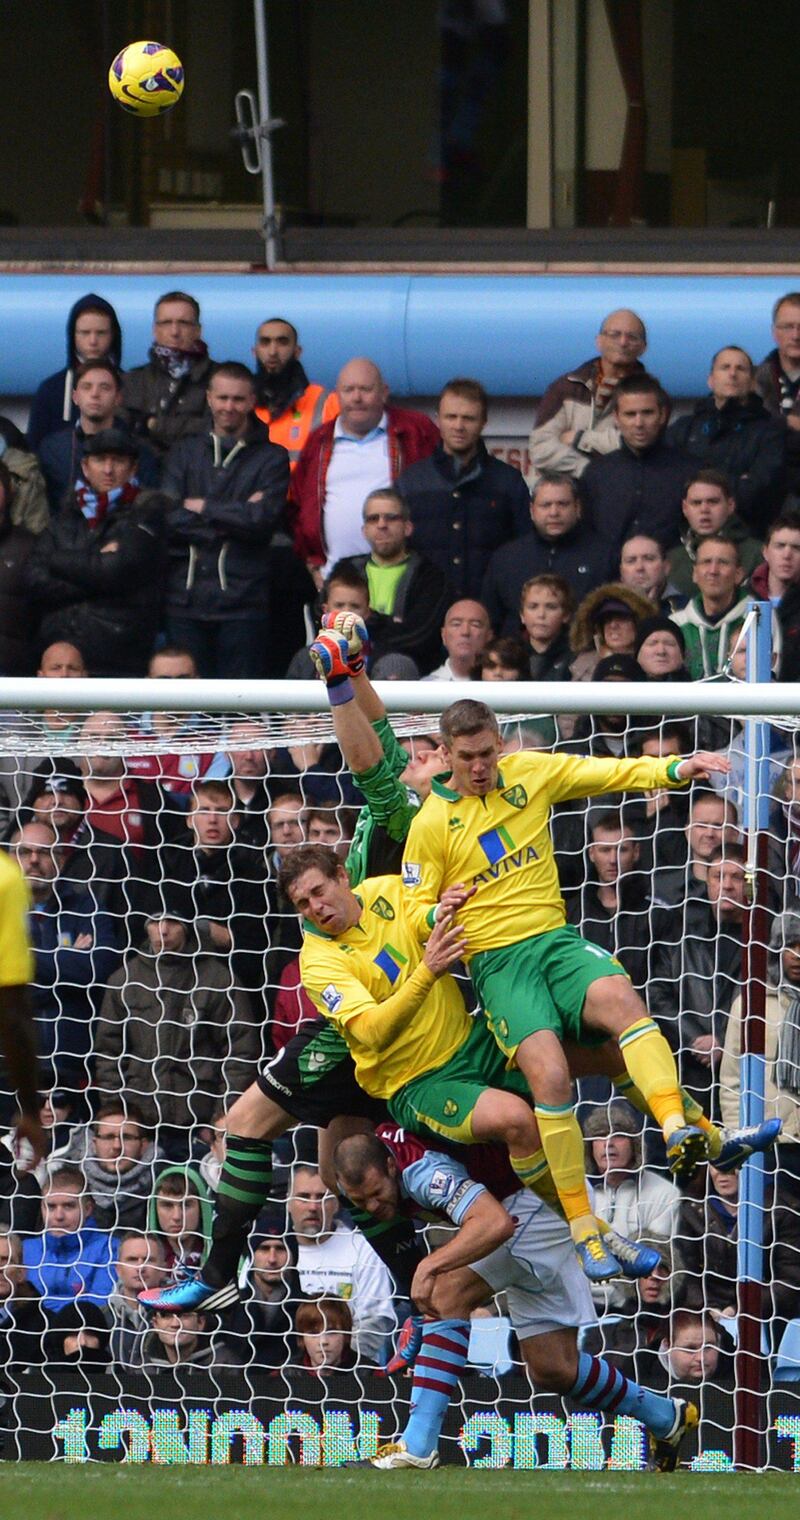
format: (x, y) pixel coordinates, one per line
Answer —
(695, 978)
(709, 506)
(23, 1322)
(777, 579)
(93, 332)
(777, 380)
(261, 1325)
(547, 606)
(175, 1033)
(560, 544)
(638, 487)
(17, 621)
(97, 395)
(76, 950)
(732, 431)
(408, 594)
(368, 445)
(222, 882)
(464, 503)
(707, 1236)
(230, 487)
(165, 399)
(97, 571)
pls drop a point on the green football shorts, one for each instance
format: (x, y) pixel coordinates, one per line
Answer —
(442, 1102)
(541, 983)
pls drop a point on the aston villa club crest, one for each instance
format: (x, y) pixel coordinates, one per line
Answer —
(383, 908)
(516, 795)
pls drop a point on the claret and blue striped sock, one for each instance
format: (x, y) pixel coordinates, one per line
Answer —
(601, 1386)
(436, 1374)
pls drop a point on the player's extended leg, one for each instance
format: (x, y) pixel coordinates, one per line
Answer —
(253, 1123)
(613, 1006)
(542, 1061)
(727, 1148)
(557, 1366)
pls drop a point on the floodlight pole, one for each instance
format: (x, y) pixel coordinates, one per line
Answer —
(265, 127)
(749, 1422)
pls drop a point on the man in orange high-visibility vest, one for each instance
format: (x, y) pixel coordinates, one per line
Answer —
(288, 403)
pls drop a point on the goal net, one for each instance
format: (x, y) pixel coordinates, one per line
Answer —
(150, 818)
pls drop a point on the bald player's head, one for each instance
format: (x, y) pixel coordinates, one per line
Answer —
(362, 394)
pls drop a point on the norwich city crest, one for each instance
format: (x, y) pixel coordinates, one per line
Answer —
(450, 1108)
(516, 795)
(383, 908)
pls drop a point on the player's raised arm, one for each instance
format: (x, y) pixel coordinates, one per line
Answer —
(570, 777)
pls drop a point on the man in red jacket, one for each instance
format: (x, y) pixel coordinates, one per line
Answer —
(365, 448)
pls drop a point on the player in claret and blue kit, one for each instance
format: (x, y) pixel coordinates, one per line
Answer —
(519, 1246)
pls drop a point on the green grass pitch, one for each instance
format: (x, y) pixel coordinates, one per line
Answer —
(52, 1491)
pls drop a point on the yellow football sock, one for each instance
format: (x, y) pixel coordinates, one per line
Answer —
(692, 1112)
(534, 1173)
(563, 1145)
(651, 1064)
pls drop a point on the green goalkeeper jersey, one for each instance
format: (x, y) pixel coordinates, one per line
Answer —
(384, 822)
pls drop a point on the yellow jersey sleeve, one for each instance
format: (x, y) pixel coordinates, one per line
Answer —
(424, 862)
(570, 776)
(16, 956)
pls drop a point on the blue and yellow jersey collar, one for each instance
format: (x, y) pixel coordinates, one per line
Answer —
(446, 792)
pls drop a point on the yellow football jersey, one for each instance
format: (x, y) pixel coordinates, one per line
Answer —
(348, 975)
(16, 956)
(501, 843)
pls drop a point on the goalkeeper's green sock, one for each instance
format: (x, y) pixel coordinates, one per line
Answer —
(244, 1187)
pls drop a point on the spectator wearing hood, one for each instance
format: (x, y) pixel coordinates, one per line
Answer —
(117, 1159)
(606, 623)
(709, 506)
(70, 1258)
(288, 403)
(17, 618)
(782, 1040)
(557, 542)
(660, 649)
(97, 572)
(181, 1215)
(229, 493)
(97, 395)
(633, 1198)
(718, 608)
(732, 431)
(175, 1034)
(93, 332)
(164, 400)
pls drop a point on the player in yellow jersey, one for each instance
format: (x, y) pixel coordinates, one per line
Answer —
(480, 847)
(399, 1011)
(16, 1022)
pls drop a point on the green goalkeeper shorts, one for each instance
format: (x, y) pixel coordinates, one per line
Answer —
(442, 1102)
(541, 983)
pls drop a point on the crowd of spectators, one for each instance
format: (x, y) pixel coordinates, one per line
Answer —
(190, 518)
